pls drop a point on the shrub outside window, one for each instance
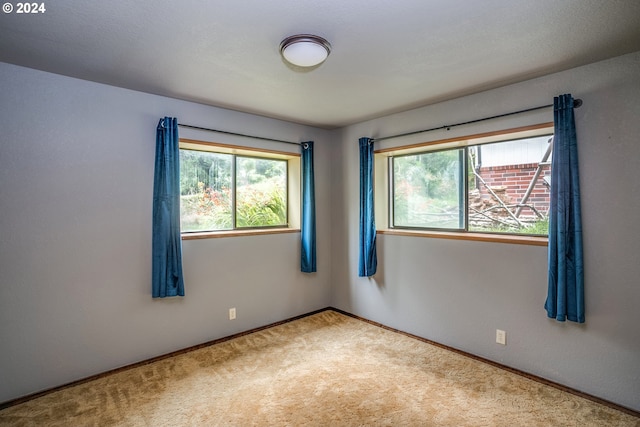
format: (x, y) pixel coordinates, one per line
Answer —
(498, 187)
(221, 191)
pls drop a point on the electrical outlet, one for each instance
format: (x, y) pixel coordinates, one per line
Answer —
(232, 313)
(501, 337)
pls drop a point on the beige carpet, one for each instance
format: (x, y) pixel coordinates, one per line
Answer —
(323, 370)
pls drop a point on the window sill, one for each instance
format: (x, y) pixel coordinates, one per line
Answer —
(237, 233)
(478, 237)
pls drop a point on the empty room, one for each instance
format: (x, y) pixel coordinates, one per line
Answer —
(345, 213)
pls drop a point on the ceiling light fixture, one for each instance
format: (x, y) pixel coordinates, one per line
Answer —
(305, 50)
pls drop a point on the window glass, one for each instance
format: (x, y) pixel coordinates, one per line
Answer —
(428, 190)
(509, 186)
(261, 192)
(205, 191)
(221, 191)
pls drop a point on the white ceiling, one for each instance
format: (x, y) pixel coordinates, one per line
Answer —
(387, 56)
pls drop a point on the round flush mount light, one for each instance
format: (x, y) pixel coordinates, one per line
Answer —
(305, 50)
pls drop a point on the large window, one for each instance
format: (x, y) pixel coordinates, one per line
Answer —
(493, 187)
(228, 191)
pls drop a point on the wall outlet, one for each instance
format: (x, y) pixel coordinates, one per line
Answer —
(232, 313)
(501, 337)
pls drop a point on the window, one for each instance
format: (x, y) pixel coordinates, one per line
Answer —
(428, 190)
(477, 184)
(230, 189)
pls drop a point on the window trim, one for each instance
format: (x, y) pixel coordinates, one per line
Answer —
(519, 239)
(473, 139)
(382, 183)
(293, 168)
(197, 235)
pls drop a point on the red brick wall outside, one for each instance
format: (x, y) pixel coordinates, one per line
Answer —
(516, 179)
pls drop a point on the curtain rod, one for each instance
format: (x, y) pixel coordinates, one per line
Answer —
(576, 104)
(237, 134)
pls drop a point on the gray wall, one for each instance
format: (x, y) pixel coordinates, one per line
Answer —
(76, 173)
(459, 292)
(76, 180)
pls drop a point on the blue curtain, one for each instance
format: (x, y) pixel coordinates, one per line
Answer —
(565, 297)
(167, 278)
(368, 258)
(308, 229)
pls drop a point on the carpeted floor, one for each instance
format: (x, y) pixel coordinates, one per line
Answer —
(323, 370)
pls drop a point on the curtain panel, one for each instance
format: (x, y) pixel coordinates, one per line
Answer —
(565, 296)
(167, 280)
(308, 226)
(368, 261)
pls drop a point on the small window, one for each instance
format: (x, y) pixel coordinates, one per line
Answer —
(228, 191)
(492, 187)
